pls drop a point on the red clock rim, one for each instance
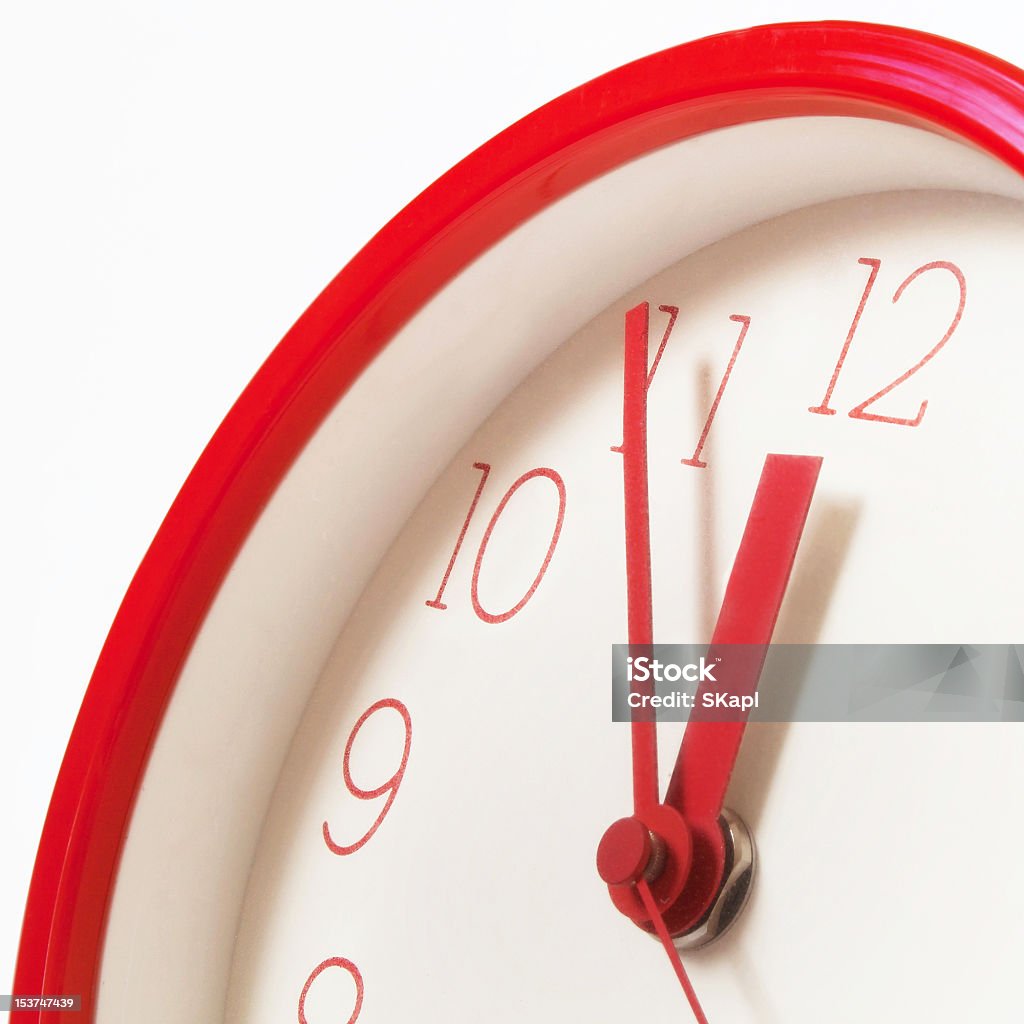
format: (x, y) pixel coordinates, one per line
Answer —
(825, 68)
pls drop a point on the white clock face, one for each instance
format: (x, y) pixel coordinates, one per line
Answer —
(387, 767)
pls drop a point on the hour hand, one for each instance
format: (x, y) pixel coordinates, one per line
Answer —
(750, 608)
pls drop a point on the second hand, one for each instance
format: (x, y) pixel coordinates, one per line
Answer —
(673, 954)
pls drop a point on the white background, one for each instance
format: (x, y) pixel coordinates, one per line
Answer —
(179, 181)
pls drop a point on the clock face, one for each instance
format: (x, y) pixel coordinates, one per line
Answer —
(389, 759)
(436, 821)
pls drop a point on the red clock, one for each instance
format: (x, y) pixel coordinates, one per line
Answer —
(719, 346)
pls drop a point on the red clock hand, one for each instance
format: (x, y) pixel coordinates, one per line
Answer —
(638, 544)
(626, 857)
(660, 928)
(750, 607)
(621, 856)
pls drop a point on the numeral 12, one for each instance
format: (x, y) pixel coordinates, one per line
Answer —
(859, 412)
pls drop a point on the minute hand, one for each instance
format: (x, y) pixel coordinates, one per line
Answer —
(750, 607)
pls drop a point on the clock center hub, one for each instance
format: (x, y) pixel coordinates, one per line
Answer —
(629, 851)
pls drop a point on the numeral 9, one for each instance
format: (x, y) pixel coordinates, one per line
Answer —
(389, 786)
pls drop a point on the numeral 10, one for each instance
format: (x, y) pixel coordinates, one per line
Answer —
(474, 593)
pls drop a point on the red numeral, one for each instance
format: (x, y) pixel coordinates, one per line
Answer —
(482, 612)
(487, 616)
(694, 460)
(673, 312)
(343, 964)
(858, 412)
(390, 786)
